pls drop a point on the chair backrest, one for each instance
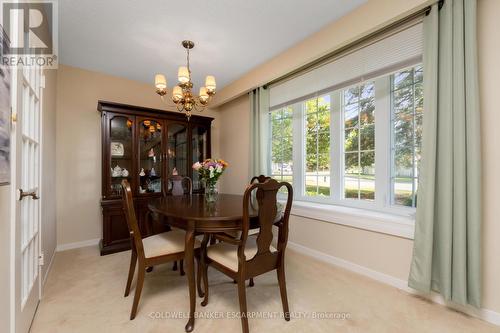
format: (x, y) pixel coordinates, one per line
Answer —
(267, 199)
(179, 185)
(259, 179)
(133, 226)
(256, 179)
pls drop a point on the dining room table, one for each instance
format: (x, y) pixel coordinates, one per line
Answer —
(194, 214)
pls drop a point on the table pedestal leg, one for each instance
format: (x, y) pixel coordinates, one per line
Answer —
(189, 261)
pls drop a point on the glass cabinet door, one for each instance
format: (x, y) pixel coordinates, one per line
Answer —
(177, 150)
(199, 146)
(150, 156)
(120, 138)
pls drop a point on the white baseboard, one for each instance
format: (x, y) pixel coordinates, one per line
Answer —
(483, 314)
(76, 245)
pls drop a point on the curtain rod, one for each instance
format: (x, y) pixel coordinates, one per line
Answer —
(326, 57)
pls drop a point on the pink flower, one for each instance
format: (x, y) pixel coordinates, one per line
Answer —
(197, 166)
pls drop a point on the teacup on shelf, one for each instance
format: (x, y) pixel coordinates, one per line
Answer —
(117, 171)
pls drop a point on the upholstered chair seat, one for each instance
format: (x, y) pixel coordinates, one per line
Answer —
(227, 254)
(166, 243)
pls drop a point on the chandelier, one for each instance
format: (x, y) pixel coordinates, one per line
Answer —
(182, 94)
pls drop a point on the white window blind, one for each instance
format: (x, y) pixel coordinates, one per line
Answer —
(397, 50)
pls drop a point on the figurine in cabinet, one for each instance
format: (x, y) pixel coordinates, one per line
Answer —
(117, 171)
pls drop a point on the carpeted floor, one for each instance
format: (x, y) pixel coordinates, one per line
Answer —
(84, 293)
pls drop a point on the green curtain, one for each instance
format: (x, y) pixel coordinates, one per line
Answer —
(447, 247)
(259, 134)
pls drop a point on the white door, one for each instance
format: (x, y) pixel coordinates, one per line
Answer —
(27, 105)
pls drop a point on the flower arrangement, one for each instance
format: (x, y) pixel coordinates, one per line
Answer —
(210, 170)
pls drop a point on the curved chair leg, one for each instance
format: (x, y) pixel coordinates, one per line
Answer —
(138, 289)
(251, 284)
(181, 267)
(204, 271)
(243, 305)
(198, 280)
(174, 268)
(133, 261)
(284, 298)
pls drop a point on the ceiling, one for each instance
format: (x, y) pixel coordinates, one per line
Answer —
(136, 39)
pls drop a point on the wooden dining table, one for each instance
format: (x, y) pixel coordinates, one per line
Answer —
(195, 215)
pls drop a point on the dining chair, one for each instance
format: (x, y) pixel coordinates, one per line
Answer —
(250, 256)
(236, 234)
(178, 185)
(175, 185)
(259, 179)
(150, 251)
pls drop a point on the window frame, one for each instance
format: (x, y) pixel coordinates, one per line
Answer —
(383, 151)
(270, 151)
(415, 175)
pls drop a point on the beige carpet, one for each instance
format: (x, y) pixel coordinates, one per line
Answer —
(84, 293)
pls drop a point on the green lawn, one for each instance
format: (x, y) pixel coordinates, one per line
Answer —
(401, 197)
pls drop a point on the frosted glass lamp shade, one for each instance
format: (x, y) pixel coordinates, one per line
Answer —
(203, 94)
(183, 75)
(210, 83)
(177, 94)
(160, 81)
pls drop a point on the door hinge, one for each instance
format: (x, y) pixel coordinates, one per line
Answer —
(41, 259)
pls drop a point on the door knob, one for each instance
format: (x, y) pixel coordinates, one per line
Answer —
(32, 194)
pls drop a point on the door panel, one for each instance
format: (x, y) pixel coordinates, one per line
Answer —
(27, 180)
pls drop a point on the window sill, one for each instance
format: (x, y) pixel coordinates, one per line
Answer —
(392, 224)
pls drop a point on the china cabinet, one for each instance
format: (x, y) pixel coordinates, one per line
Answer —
(144, 146)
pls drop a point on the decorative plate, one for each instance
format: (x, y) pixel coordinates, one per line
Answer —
(117, 149)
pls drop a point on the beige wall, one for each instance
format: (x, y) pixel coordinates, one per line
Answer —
(489, 81)
(48, 222)
(234, 144)
(383, 253)
(79, 145)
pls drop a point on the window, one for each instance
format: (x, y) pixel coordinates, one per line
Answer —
(317, 141)
(358, 145)
(347, 131)
(281, 144)
(358, 109)
(407, 106)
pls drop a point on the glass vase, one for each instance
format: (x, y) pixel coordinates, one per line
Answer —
(211, 192)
